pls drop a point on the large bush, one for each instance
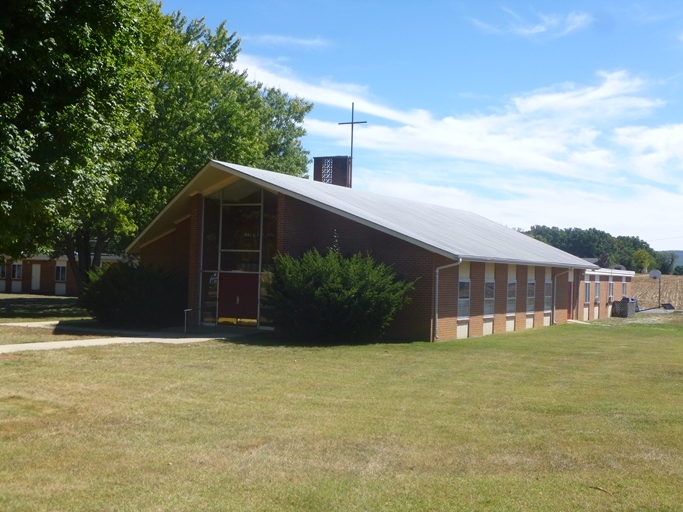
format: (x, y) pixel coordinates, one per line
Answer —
(131, 296)
(331, 299)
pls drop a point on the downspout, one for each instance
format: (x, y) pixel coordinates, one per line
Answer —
(555, 293)
(436, 297)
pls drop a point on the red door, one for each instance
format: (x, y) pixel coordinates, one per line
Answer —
(238, 295)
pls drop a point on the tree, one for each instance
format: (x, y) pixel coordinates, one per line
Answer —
(665, 261)
(642, 260)
(133, 105)
(71, 83)
(610, 251)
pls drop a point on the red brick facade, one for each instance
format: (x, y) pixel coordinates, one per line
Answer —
(47, 283)
(302, 226)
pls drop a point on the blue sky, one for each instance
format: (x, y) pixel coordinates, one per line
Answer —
(561, 113)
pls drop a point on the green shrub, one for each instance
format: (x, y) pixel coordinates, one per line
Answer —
(130, 296)
(332, 299)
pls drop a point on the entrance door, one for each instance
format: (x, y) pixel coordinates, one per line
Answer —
(238, 296)
(35, 277)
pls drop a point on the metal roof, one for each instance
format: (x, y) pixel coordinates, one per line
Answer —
(446, 231)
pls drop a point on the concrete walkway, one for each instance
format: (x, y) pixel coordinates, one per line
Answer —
(170, 337)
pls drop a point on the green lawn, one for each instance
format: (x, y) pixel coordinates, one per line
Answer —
(570, 417)
(18, 308)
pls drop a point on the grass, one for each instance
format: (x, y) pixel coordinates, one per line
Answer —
(10, 335)
(571, 417)
(19, 308)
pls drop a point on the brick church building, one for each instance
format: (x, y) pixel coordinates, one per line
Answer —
(473, 276)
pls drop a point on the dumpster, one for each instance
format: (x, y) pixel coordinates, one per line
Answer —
(624, 308)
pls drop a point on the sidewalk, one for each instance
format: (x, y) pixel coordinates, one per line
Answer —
(120, 337)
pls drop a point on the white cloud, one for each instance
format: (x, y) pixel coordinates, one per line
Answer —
(554, 25)
(615, 96)
(279, 40)
(567, 155)
(534, 202)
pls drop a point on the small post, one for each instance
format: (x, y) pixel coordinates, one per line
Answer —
(185, 329)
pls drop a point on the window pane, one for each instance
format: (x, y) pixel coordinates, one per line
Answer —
(60, 273)
(531, 289)
(463, 307)
(463, 298)
(212, 211)
(489, 297)
(512, 298)
(241, 261)
(209, 297)
(512, 290)
(241, 228)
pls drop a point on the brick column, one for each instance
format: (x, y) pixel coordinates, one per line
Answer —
(195, 259)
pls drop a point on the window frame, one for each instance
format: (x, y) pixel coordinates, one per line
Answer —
(464, 300)
(624, 289)
(489, 301)
(548, 297)
(3, 270)
(20, 273)
(60, 273)
(587, 292)
(511, 304)
(531, 285)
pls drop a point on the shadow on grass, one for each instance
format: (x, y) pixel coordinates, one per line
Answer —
(39, 307)
(254, 337)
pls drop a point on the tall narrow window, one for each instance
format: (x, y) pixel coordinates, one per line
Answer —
(512, 298)
(463, 299)
(60, 273)
(548, 296)
(624, 289)
(597, 292)
(489, 297)
(531, 296)
(587, 292)
(611, 290)
(16, 271)
(3, 271)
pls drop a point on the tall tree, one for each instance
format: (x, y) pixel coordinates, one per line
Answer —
(629, 251)
(71, 83)
(132, 105)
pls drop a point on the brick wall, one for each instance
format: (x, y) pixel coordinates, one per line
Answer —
(194, 261)
(448, 299)
(302, 226)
